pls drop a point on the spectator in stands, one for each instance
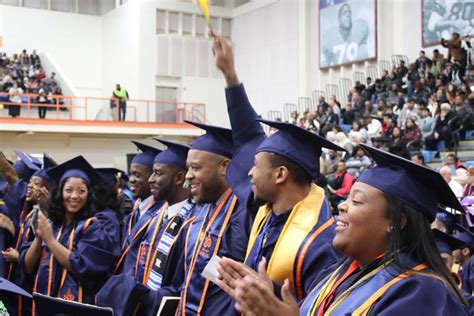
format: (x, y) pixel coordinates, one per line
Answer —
(463, 114)
(380, 143)
(412, 135)
(454, 47)
(458, 171)
(408, 110)
(7, 81)
(15, 108)
(392, 94)
(42, 100)
(348, 115)
(420, 94)
(293, 116)
(24, 58)
(311, 124)
(438, 61)
(442, 130)
(450, 93)
(51, 83)
(343, 141)
(413, 77)
(398, 145)
(341, 186)
(34, 58)
(457, 188)
(357, 103)
(422, 62)
(387, 123)
(358, 162)
(402, 71)
(374, 126)
(334, 105)
(332, 159)
(322, 102)
(361, 131)
(469, 188)
(122, 95)
(39, 73)
(381, 106)
(418, 158)
(427, 123)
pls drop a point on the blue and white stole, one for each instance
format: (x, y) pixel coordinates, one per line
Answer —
(202, 242)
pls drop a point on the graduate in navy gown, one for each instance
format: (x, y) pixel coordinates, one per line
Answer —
(71, 252)
(220, 227)
(37, 194)
(166, 183)
(464, 262)
(107, 206)
(145, 207)
(294, 229)
(392, 266)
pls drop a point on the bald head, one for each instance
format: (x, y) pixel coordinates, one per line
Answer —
(445, 172)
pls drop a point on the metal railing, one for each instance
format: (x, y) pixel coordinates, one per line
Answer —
(97, 109)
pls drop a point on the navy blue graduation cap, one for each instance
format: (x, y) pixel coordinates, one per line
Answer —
(464, 235)
(110, 175)
(53, 306)
(175, 154)
(447, 218)
(8, 286)
(445, 242)
(147, 155)
(414, 184)
(77, 167)
(217, 140)
(48, 161)
(26, 165)
(297, 144)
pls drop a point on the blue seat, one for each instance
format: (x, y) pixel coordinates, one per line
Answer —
(4, 98)
(470, 134)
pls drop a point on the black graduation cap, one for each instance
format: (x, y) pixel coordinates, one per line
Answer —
(77, 167)
(8, 286)
(110, 175)
(445, 242)
(217, 140)
(175, 153)
(146, 156)
(297, 144)
(418, 186)
(53, 306)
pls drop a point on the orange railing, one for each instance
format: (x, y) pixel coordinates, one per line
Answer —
(98, 109)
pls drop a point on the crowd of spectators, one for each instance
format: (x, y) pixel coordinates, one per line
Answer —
(23, 74)
(425, 106)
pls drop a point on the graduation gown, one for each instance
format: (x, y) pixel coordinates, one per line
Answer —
(113, 227)
(134, 233)
(467, 278)
(90, 259)
(17, 304)
(123, 292)
(385, 291)
(315, 251)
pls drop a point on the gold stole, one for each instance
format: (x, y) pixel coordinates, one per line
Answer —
(304, 216)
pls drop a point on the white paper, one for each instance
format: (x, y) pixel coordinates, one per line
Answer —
(210, 271)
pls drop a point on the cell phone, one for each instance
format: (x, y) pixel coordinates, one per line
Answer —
(34, 218)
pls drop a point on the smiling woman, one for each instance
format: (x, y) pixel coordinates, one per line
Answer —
(70, 256)
(391, 263)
